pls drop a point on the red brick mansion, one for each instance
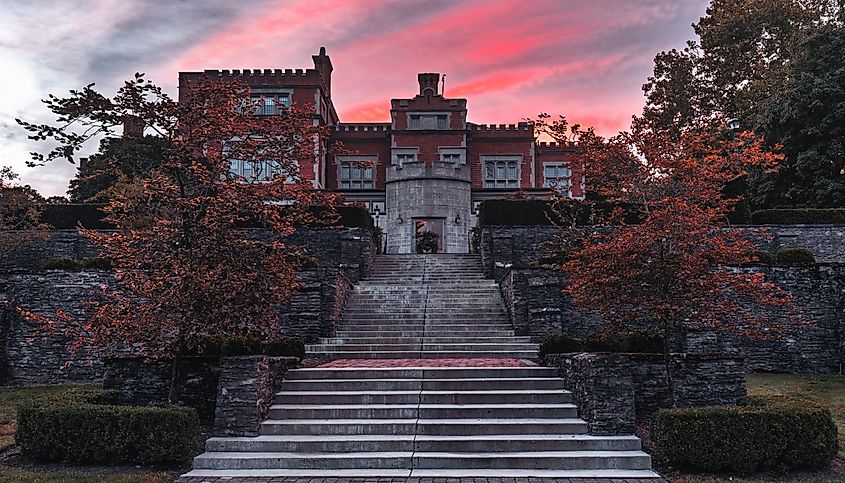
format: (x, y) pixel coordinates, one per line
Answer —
(427, 169)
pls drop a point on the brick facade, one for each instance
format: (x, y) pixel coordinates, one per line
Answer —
(436, 131)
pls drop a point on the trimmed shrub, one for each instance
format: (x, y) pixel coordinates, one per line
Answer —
(794, 256)
(69, 215)
(759, 433)
(285, 347)
(79, 428)
(625, 341)
(787, 256)
(515, 212)
(804, 216)
(354, 217)
(97, 263)
(249, 346)
(560, 344)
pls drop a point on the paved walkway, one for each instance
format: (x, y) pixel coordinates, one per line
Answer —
(417, 480)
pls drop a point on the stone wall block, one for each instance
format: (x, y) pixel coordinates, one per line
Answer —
(138, 381)
(245, 392)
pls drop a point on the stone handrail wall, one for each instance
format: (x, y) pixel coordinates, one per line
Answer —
(614, 391)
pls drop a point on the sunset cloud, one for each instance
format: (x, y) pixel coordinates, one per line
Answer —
(510, 58)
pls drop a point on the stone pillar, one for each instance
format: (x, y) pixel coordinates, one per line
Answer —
(441, 191)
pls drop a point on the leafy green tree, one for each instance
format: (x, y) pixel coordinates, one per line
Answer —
(119, 161)
(748, 52)
(807, 114)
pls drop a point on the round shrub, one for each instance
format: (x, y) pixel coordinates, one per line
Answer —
(759, 433)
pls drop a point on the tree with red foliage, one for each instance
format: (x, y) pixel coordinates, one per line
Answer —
(185, 265)
(678, 267)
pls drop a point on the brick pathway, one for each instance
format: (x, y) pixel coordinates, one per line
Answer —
(428, 363)
(415, 480)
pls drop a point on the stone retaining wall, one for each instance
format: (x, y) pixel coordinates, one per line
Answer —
(538, 307)
(30, 357)
(504, 247)
(245, 392)
(614, 391)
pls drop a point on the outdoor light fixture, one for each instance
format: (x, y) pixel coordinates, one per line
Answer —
(476, 211)
(458, 219)
(400, 220)
(734, 124)
(377, 211)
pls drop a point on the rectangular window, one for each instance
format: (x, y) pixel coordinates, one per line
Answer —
(501, 174)
(557, 176)
(428, 121)
(269, 104)
(404, 158)
(356, 175)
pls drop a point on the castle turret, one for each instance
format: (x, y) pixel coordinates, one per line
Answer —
(429, 82)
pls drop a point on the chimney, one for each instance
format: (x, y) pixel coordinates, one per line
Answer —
(429, 82)
(323, 64)
(133, 127)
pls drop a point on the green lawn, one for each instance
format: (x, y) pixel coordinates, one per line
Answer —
(9, 399)
(829, 391)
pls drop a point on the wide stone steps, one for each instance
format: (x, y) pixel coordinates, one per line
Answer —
(426, 422)
(439, 421)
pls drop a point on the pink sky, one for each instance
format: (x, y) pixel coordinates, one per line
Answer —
(511, 59)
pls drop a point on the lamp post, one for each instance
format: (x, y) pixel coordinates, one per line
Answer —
(734, 125)
(377, 213)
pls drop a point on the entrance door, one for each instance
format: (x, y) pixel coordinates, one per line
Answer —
(434, 225)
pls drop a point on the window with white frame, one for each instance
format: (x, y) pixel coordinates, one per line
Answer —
(557, 176)
(269, 104)
(428, 121)
(356, 175)
(257, 170)
(501, 174)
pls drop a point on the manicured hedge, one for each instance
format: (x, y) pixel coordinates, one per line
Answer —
(70, 215)
(79, 428)
(788, 256)
(761, 432)
(513, 212)
(622, 341)
(247, 346)
(71, 264)
(805, 216)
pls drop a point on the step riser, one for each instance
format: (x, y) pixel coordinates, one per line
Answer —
(421, 461)
(452, 429)
(424, 340)
(420, 333)
(329, 399)
(421, 347)
(427, 355)
(417, 385)
(329, 412)
(437, 446)
(423, 373)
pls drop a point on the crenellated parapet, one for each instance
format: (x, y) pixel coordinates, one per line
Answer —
(522, 126)
(262, 73)
(369, 127)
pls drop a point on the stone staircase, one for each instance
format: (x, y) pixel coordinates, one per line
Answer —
(491, 417)
(420, 307)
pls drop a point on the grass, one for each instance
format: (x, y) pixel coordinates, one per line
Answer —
(829, 391)
(8, 475)
(10, 397)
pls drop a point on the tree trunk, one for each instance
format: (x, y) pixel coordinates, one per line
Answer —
(667, 360)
